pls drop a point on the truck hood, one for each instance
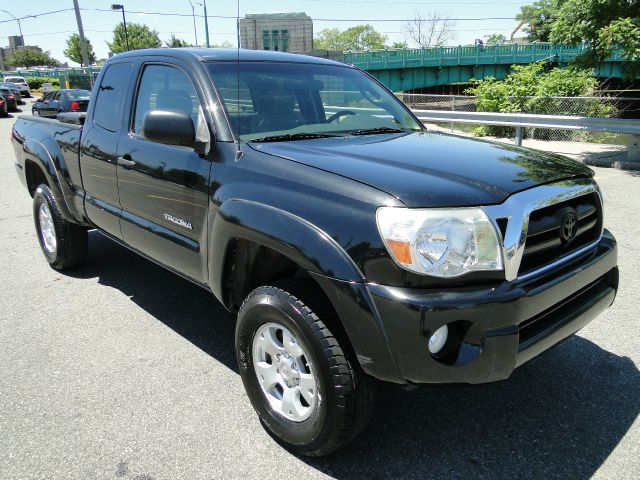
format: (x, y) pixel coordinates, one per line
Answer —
(431, 169)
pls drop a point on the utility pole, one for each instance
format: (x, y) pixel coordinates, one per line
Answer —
(206, 22)
(83, 42)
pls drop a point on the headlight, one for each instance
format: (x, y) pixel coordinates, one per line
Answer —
(440, 242)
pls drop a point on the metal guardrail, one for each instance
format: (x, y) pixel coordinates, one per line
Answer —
(525, 120)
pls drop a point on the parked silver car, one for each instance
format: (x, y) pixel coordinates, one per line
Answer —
(22, 84)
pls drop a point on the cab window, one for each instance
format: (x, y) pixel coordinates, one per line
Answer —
(164, 88)
(111, 96)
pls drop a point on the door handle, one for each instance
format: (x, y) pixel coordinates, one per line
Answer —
(125, 161)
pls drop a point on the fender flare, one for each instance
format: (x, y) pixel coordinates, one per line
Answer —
(52, 166)
(295, 238)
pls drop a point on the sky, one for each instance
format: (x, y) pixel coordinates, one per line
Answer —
(387, 16)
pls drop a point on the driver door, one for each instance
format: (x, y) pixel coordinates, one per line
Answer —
(164, 188)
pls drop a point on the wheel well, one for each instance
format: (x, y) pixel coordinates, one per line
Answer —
(249, 265)
(35, 176)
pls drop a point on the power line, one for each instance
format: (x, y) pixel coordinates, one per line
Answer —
(39, 15)
(164, 14)
(175, 14)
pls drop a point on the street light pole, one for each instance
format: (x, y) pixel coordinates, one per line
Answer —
(193, 14)
(117, 6)
(17, 20)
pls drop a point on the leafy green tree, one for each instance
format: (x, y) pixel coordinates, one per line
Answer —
(175, 42)
(360, 37)
(140, 36)
(30, 57)
(603, 25)
(399, 45)
(74, 50)
(530, 89)
(496, 39)
(538, 18)
(225, 44)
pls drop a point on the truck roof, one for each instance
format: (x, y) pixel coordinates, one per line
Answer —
(227, 54)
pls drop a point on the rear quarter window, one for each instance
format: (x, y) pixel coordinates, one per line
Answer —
(111, 96)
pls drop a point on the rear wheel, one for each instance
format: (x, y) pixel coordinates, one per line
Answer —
(63, 243)
(308, 395)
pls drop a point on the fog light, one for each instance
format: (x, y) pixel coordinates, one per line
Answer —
(438, 339)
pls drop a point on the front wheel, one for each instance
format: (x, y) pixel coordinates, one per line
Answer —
(63, 243)
(308, 395)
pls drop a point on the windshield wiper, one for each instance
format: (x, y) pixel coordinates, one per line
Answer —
(293, 136)
(374, 131)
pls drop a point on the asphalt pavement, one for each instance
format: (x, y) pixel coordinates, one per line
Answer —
(122, 370)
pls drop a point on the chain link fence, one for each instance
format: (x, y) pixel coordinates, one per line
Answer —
(612, 107)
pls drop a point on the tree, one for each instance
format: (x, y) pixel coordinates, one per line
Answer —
(531, 89)
(30, 57)
(140, 36)
(225, 44)
(603, 25)
(538, 18)
(399, 45)
(360, 37)
(74, 50)
(175, 42)
(431, 30)
(496, 39)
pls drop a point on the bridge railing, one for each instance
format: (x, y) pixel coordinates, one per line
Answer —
(480, 54)
(53, 72)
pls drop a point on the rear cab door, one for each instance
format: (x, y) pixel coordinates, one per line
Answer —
(164, 189)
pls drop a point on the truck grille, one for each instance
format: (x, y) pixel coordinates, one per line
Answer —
(561, 229)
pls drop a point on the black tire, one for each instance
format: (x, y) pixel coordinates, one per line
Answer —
(346, 391)
(71, 239)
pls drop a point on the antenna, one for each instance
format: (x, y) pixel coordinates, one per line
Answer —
(239, 151)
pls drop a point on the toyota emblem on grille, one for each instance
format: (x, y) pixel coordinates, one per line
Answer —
(568, 226)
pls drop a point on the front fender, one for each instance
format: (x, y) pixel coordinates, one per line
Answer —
(319, 254)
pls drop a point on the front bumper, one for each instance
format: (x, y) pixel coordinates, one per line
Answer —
(494, 329)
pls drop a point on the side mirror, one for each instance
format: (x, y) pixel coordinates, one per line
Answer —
(170, 127)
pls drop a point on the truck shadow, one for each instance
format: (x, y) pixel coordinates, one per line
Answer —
(187, 309)
(560, 415)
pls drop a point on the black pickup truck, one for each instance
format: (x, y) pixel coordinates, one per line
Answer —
(352, 244)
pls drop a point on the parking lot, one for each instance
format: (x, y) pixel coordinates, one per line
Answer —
(120, 369)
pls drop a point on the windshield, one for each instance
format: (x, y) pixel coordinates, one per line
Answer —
(266, 99)
(14, 79)
(8, 85)
(79, 94)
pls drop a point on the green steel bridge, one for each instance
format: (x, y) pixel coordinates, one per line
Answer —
(409, 69)
(402, 70)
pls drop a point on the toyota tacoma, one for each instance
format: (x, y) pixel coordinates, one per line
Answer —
(353, 245)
